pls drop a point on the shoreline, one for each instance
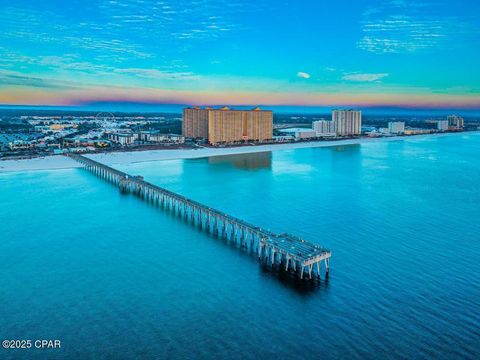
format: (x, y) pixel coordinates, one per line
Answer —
(58, 162)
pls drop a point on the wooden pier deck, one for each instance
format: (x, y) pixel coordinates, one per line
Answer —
(283, 251)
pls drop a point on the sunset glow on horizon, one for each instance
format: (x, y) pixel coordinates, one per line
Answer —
(398, 53)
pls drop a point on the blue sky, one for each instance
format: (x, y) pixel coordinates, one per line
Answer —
(314, 53)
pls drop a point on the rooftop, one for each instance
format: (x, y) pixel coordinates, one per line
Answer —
(224, 108)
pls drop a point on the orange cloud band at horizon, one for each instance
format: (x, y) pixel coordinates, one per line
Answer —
(84, 96)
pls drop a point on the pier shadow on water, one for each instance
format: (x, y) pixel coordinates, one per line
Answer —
(276, 272)
(254, 161)
(293, 281)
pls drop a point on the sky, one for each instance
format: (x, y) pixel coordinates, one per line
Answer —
(375, 53)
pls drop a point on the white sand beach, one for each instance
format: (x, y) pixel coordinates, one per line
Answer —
(62, 162)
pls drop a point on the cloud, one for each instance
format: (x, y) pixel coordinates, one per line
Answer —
(125, 30)
(46, 27)
(157, 74)
(364, 77)
(180, 19)
(399, 26)
(11, 78)
(303, 75)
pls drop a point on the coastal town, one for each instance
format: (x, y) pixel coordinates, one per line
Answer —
(240, 179)
(24, 135)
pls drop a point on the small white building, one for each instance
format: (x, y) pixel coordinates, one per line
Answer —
(122, 139)
(42, 128)
(283, 138)
(80, 149)
(299, 133)
(305, 134)
(396, 127)
(167, 138)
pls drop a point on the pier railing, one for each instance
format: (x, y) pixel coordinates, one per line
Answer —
(286, 252)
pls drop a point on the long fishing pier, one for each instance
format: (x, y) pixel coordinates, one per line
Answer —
(282, 251)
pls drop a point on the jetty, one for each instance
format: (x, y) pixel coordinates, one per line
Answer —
(285, 252)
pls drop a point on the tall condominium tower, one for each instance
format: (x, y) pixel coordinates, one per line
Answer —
(347, 122)
(225, 125)
(455, 121)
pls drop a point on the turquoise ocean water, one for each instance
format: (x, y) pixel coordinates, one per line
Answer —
(113, 277)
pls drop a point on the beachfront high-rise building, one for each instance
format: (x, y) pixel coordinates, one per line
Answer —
(347, 122)
(442, 125)
(195, 123)
(324, 128)
(225, 125)
(396, 127)
(455, 121)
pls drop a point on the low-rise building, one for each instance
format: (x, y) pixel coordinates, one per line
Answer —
(161, 138)
(122, 139)
(21, 145)
(79, 141)
(42, 128)
(418, 131)
(167, 138)
(80, 149)
(301, 134)
(374, 133)
(143, 136)
(283, 138)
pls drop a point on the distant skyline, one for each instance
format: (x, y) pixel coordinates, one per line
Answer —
(319, 54)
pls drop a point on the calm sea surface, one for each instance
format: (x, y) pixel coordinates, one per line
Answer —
(113, 277)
